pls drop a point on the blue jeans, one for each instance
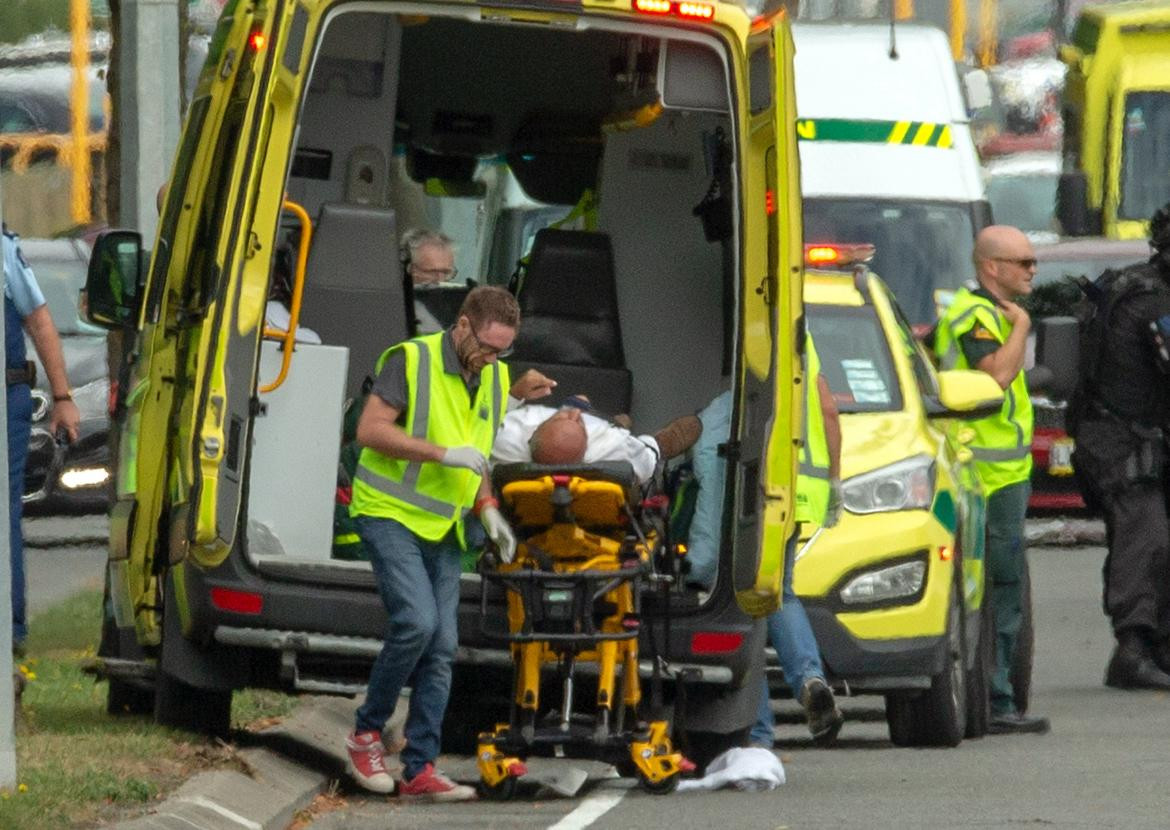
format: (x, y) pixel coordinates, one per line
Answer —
(418, 581)
(19, 427)
(1005, 567)
(796, 647)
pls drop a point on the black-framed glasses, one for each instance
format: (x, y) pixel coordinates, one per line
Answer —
(435, 274)
(485, 348)
(1027, 263)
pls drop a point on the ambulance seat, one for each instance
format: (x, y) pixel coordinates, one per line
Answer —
(355, 295)
(569, 327)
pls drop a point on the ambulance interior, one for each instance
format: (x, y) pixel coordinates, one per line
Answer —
(491, 132)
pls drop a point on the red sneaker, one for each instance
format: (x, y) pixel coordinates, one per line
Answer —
(367, 763)
(430, 785)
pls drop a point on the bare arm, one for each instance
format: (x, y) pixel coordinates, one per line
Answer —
(378, 430)
(832, 426)
(1008, 360)
(39, 325)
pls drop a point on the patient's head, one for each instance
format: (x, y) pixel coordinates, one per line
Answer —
(561, 439)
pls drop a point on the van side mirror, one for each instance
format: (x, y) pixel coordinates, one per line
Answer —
(1072, 205)
(967, 394)
(977, 86)
(1058, 347)
(113, 285)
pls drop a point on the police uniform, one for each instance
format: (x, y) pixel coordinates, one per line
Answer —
(22, 296)
(411, 518)
(1120, 458)
(972, 328)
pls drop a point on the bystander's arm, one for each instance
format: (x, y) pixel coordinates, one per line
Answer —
(378, 429)
(39, 325)
(1008, 360)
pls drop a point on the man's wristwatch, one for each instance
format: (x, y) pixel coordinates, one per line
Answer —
(59, 398)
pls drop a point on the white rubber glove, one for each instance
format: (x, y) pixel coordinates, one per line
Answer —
(469, 458)
(836, 503)
(499, 531)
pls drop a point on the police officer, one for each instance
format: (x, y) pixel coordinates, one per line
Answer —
(985, 329)
(1121, 412)
(818, 502)
(426, 431)
(25, 311)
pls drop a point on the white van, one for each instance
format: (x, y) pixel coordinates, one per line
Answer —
(887, 156)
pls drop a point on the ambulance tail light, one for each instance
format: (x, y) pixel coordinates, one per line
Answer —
(837, 255)
(716, 642)
(687, 9)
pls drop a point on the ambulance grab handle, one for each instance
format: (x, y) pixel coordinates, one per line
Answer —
(288, 338)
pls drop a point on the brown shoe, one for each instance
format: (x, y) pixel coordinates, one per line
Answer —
(678, 436)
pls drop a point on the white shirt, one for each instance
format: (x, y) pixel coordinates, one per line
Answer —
(607, 442)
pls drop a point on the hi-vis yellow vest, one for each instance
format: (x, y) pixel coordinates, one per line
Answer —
(427, 497)
(812, 483)
(1003, 442)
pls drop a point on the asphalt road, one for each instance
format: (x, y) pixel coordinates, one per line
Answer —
(1105, 763)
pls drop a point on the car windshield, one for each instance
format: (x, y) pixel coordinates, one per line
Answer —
(1145, 156)
(855, 358)
(921, 248)
(1027, 200)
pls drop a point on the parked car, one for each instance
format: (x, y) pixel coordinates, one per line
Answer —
(1021, 188)
(68, 478)
(895, 591)
(1054, 487)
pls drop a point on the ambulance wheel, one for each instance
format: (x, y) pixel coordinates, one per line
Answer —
(504, 791)
(664, 787)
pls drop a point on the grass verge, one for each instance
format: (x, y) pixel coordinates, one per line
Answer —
(78, 766)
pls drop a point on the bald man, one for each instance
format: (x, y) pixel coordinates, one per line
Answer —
(985, 328)
(571, 435)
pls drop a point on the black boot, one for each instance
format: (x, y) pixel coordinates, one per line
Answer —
(1132, 666)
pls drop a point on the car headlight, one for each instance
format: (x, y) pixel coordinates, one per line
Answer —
(75, 478)
(885, 584)
(905, 485)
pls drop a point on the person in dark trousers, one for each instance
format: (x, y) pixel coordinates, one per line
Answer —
(1119, 420)
(984, 328)
(25, 310)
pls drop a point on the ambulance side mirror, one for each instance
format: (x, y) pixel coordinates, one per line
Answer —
(113, 285)
(967, 394)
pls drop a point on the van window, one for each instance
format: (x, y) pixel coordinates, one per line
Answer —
(855, 358)
(921, 248)
(1145, 154)
(1085, 35)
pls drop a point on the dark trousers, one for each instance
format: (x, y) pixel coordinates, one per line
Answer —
(1137, 569)
(1005, 567)
(19, 427)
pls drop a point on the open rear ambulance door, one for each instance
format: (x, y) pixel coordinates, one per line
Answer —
(771, 335)
(240, 209)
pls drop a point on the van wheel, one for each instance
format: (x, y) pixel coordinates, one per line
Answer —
(178, 704)
(979, 675)
(122, 698)
(1021, 670)
(938, 716)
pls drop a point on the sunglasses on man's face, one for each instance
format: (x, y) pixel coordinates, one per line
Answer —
(1027, 263)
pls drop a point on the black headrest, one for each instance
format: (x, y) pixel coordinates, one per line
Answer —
(570, 274)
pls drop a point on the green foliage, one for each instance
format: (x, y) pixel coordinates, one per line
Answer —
(77, 765)
(1053, 299)
(21, 18)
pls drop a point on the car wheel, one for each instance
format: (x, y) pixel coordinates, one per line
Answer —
(1021, 669)
(979, 675)
(938, 716)
(181, 705)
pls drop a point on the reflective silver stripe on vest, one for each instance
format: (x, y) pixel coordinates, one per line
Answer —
(405, 493)
(1013, 454)
(813, 471)
(422, 411)
(496, 394)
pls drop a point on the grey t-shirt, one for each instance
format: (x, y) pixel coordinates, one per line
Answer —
(390, 384)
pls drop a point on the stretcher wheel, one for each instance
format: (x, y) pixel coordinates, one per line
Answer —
(504, 791)
(664, 787)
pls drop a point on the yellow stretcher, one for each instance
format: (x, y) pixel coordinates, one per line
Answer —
(573, 596)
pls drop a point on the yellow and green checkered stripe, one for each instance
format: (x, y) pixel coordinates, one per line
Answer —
(913, 133)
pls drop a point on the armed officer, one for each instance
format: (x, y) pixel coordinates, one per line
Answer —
(1119, 419)
(984, 328)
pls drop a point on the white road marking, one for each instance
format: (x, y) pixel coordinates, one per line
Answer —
(593, 807)
(219, 809)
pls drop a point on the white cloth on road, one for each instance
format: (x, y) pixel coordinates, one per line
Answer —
(751, 769)
(607, 442)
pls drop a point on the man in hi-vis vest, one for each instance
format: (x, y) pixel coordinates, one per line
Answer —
(421, 492)
(985, 329)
